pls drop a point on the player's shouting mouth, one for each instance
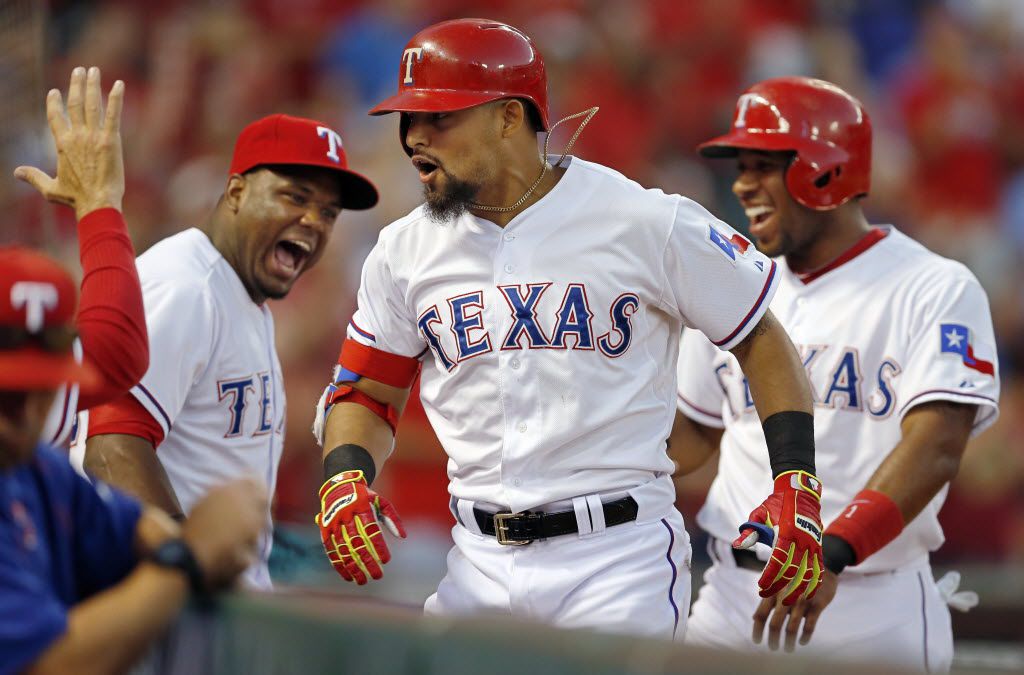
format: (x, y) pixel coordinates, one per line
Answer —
(291, 253)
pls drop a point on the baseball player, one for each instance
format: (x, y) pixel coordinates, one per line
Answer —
(544, 302)
(88, 577)
(213, 399)
(898, 346)
(111, 323)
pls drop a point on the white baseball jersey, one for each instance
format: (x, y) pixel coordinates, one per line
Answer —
(214, 382)
(892, 328)
(549, 343)
(60, 421)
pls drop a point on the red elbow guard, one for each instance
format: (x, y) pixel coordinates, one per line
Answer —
(385, 367)
(868, 523)
(347, 394)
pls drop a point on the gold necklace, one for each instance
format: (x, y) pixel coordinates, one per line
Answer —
(544, 159)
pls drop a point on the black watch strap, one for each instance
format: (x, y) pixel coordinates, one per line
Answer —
(175, 554)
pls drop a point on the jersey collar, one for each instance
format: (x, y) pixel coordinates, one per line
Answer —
(569, 162)
(876, 235)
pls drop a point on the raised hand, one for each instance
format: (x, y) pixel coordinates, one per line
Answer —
(90, 161)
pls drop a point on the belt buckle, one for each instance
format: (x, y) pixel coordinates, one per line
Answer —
(501, 530)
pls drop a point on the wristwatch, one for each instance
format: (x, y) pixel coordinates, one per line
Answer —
(175, 554)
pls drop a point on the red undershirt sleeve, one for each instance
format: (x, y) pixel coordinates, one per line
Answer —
(111, 320)
(125, 415)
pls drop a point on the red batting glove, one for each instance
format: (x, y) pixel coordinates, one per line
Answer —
(791, 517)
(349, 529)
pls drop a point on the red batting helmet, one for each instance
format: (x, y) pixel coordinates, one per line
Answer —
(459, 64)
(828, 130)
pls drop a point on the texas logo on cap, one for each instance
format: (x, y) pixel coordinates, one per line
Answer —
(37, 310)
(283, 139)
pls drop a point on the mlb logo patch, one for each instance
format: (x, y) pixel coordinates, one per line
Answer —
(955, 338)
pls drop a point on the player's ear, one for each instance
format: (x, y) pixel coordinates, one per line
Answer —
(513, 116)
(233, 192)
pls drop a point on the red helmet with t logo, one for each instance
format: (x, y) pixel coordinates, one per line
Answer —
(826, 128)
(459, 64)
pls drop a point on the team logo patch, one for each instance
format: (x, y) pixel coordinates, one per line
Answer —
(956, 339)
(729, 247)
(333, 142)
(409, 57)
(37, 298)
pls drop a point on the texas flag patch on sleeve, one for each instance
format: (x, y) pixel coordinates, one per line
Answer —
(729, 247)
(956, 339)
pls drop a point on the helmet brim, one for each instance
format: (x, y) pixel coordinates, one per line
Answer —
(435, 100)
(730, 144)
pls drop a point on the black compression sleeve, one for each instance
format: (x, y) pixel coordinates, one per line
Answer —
(837, 553)
(350, 457)
(790, 438)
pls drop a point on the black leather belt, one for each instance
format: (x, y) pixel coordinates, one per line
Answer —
(519, 529)
(747, 559)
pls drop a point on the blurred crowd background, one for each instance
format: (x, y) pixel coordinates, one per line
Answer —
(943, 81)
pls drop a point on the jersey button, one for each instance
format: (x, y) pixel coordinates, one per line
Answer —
(514, 363)
(517, 482)
(522, 427)
(510, 236)
(510, 268)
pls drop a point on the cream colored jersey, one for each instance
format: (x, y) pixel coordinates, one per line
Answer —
(549, 343)
(214, 382)
(892, 328)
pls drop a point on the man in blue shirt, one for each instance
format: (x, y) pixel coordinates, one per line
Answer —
(87, 574)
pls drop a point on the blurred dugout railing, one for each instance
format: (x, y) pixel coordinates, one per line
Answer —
(315, 623)
(307, 632)
(315, 631)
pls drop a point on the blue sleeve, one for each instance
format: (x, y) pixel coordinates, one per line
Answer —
(105, 522)
(31, 616)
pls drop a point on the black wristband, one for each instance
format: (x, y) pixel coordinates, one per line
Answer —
(175, 554)
(837, 553)
(790, 439)
(350, 457)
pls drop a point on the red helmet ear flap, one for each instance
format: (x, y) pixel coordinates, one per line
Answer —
(815, 177)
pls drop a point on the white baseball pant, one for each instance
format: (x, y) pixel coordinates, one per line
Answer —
(632, 578)
(897, 617)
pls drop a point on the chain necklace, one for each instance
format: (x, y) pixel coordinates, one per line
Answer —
(544, 159)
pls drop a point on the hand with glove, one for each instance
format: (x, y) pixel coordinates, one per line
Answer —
(350, 513)
(791, 519)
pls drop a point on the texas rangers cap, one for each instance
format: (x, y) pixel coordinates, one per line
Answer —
(283, 139)
(37, 310)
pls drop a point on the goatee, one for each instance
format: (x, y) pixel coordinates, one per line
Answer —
(445, 205)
